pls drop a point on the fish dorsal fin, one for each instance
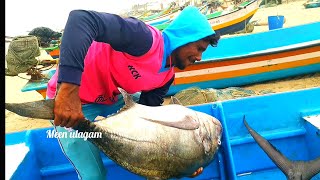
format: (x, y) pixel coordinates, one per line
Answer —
(186, 123)
(174, 100)
(128, 101)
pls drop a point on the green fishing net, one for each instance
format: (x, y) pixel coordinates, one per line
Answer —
(195, 95)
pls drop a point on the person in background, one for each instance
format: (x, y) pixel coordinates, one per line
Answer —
(100, 52)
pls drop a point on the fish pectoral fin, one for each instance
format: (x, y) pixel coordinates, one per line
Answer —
(186, 123)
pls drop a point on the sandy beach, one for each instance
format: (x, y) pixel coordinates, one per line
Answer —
(294, 12)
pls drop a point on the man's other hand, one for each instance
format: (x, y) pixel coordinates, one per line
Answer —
(198, 172)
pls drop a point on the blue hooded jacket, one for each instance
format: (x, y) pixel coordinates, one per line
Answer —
(189, 26)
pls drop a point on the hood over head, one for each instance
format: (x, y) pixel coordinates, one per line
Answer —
(189, 26)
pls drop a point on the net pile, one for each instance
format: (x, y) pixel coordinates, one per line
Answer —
(195, 95)
(22, 53)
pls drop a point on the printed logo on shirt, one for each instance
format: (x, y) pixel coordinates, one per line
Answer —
(134, 72)
(102, 98)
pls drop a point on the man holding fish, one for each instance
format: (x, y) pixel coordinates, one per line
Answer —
(100, 52)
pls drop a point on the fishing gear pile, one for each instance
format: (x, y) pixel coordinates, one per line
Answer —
(21, 55)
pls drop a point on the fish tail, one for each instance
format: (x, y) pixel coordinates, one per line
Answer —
(275, 155)
(292, 169)
(42, 109)
(311, 168)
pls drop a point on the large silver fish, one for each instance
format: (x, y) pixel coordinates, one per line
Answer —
(297, 170)
(170, 141)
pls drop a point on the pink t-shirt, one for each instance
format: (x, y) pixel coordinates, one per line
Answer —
(105, 69)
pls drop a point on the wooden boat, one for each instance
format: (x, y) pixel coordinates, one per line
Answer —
(312, 4)
(40, 85)
(253, 58)
(235, 20)
(161, 16)
(163, 19)
(290, 121)
(54, 51)
(229, 21)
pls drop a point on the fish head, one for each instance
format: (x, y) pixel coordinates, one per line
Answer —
(210, 132)
(208, 135)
